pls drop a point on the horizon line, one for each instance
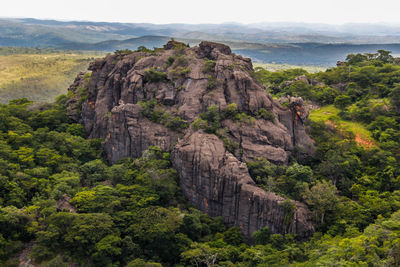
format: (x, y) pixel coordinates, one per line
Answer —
(382, 23)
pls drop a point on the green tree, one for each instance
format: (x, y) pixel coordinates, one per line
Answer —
(321, 198)
(261, 237)
(342, 101)
(395, 97)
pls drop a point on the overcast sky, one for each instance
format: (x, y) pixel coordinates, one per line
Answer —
(207, 11)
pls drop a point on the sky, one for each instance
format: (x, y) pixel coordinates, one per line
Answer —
(207, 11)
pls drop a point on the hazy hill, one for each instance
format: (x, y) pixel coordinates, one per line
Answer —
(261, 32)
(287, 43)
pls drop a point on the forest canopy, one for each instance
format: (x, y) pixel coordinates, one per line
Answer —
(61, 201)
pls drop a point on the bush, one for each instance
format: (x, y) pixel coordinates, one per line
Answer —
(212, 117)
(152, 75)
(143, 49)
(244, 118)
(233, 236)
(230, 111)
(180, 61)
(170, 61)
(261, 237)
(143, 263)
(173, 122)
(212, 83)
(209, 66)
(199, 124)
(148, 110)
(180, 72)
(342, 101)
(156, 113)
(76, 129)
(123, 52)
(231, 146)
(265, 114)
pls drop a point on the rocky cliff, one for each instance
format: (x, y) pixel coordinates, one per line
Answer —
(155, 98)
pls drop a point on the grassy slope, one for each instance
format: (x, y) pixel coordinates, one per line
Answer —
(329, 114)
(40, 77)
(275, 67)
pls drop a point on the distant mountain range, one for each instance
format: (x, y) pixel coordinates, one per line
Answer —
(291, 43)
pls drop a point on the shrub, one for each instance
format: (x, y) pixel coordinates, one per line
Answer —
(209, 66)
(156, 113)
(342, 101)
(199, 124)
(212, 83)
(173, 122)
(180, 61)
(261, 237)
(212, 117)
(148, 110)
(170, 61)
(244, 118)
(265, 114)
(123, 52)
(152, 75)
(143, 49)
(180, 72)
(230, 111)
(231, 146)
(289, 208)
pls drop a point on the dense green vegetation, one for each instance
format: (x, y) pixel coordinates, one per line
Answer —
(38, 74)
(57, 190)
(156, 113)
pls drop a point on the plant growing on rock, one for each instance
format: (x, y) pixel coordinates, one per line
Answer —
(212, 83)
(144, 49)
(157, 114)
(230, 112)
(153, 75)
(212, 116)
(265, 114)
(209, 66)
(180, 72)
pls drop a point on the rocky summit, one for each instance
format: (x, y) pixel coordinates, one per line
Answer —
(204, 106)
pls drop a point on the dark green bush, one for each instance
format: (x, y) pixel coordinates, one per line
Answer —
(230, 111)
(209, 66)
(265, 114)
(212, 83)
(152, 75)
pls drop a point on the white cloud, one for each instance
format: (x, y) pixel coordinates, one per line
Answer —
(207, 11)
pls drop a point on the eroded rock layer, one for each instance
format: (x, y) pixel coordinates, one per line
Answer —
(185, 82)
(217, 183)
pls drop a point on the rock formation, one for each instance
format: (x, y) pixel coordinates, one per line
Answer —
(185, 82)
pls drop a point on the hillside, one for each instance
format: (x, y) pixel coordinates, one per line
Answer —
(26, 29)
(184, 156)
(38, 75)
(302, 44)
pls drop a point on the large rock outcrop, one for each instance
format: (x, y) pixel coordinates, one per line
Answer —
(217, 183)
(185, 82)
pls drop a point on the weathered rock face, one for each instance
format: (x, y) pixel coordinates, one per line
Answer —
(129, 133)
(185, 83)
(217, 183)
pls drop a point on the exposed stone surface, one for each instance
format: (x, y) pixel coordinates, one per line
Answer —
(64, 204)
(73, 107)
(302, 78)
(216, 181)
(219, 184)
(130, 133)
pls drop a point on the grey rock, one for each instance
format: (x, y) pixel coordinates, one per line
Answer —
(213, 179)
